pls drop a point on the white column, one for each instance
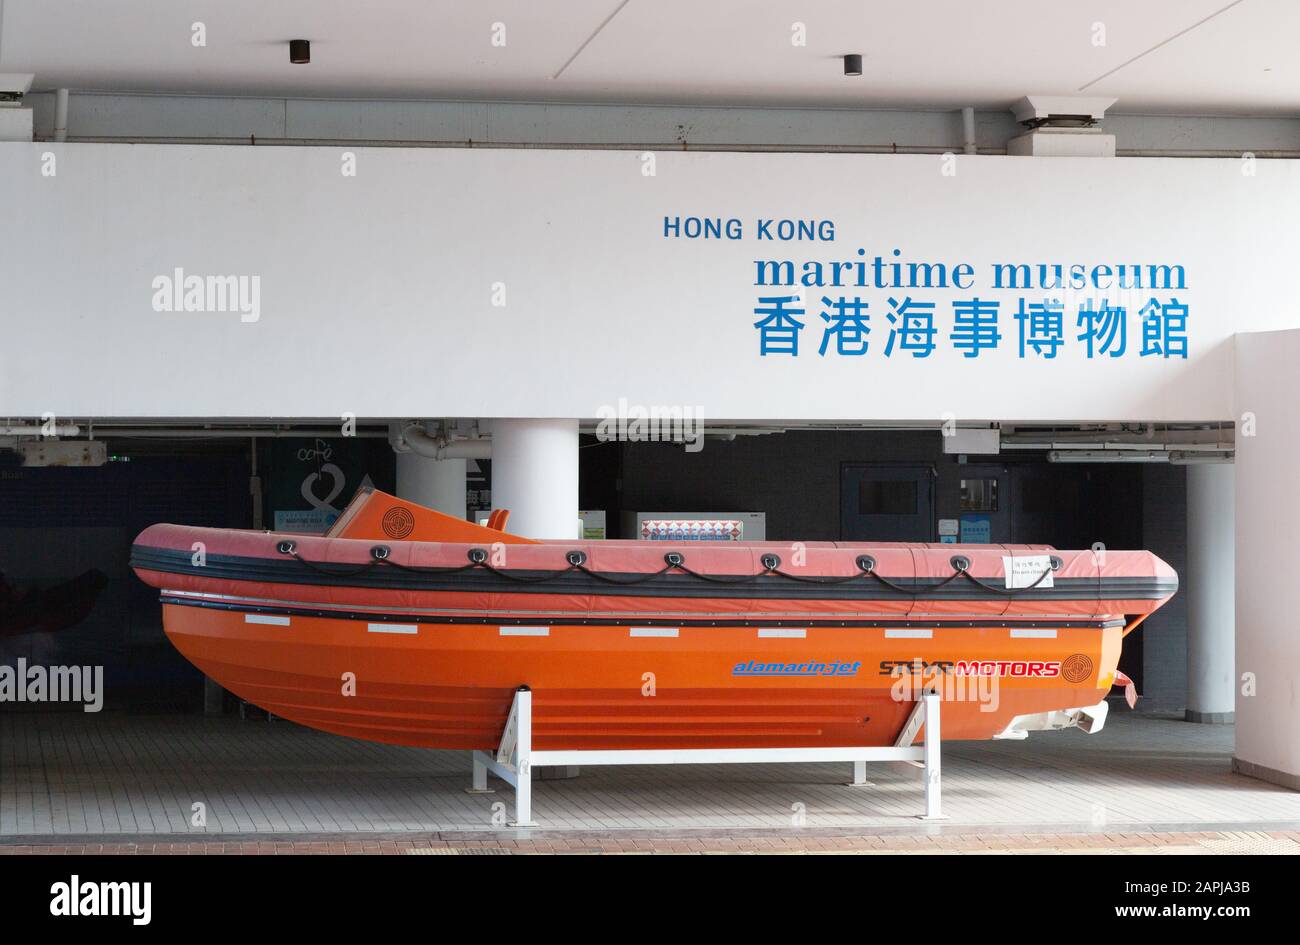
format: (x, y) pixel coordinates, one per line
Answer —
(1209, 585)
(535, 476)
(434, 483)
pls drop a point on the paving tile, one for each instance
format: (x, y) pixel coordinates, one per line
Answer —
(105, 775)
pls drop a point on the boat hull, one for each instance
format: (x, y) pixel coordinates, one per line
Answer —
(441, 684)
(404, 625)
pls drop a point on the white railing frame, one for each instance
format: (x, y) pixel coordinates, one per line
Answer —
(515, 757)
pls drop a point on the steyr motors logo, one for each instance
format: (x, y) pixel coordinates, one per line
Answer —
(1076, 668)
(398, 522)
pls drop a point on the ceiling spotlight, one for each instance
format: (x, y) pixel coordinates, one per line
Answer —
(853, 64)
(300, 51)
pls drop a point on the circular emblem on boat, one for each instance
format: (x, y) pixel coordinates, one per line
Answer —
(398, 522)
(1076, 668)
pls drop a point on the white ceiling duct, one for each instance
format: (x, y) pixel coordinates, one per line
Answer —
(417, 439)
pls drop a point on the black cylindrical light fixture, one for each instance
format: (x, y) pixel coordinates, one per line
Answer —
(300, 51)
(853, 64)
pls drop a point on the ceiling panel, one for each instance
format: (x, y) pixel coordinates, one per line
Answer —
(1191, 56)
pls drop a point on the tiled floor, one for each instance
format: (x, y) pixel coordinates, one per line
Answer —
(81, 777)
(769, 841)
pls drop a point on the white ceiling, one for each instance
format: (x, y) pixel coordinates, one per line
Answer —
(918, 53)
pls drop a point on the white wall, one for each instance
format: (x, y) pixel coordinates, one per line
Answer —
(376, 290)
(1268, 519)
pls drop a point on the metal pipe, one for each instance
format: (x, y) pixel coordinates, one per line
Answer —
(61, 115)
(466, 449)
(968, 130)
(35, 429)
(173, 433)
(1207, 152)
(1115, 445)
(418, 441)
(661, 146)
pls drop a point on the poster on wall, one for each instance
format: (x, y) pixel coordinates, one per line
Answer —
(976, 529)
(308, 482)
(593, 524)
(729, 529)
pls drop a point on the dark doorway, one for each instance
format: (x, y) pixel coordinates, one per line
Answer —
(886, 502)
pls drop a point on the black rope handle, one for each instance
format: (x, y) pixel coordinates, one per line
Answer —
(913, 591)
(916, 589)
(772, 565)
(520, 579)
(441, 571)
(322, 569)
(721, 578)
(806, 579)
(620, 581)
(1008, 591)
(379, 554)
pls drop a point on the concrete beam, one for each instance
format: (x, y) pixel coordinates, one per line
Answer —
(124, 115)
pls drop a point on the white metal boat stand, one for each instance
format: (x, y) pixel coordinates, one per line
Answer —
(515, 757)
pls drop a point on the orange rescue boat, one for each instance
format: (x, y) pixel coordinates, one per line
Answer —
(407, 626)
